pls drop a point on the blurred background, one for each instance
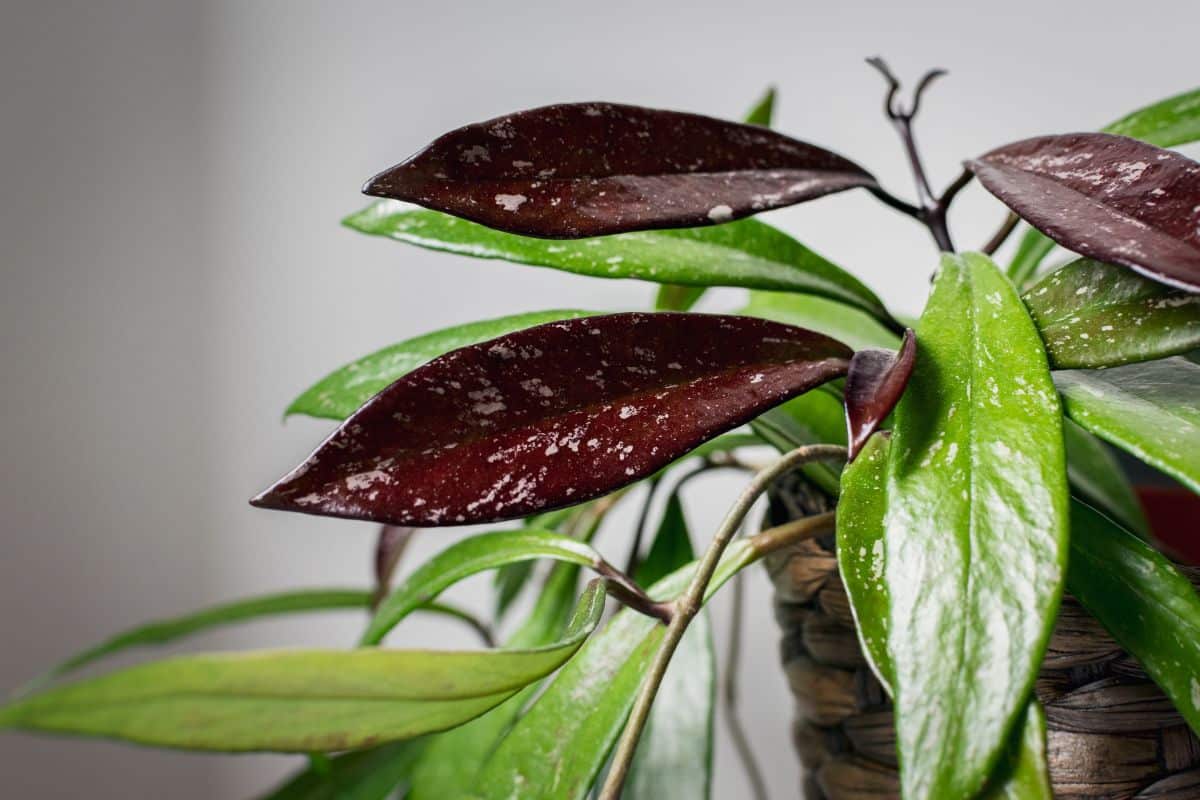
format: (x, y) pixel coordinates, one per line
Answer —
(174, 272)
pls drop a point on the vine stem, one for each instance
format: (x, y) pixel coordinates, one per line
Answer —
(737, 731)
(689, 603)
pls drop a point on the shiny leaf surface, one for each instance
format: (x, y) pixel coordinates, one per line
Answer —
(977, 476)
(675, 756)
(861, 510)
(843, 323)
(1148, 410)
(1093, 314)
(874, 384)
(588, 169)
(1097, 478)
(345, 390)
(552, 416)
(1148, 606)
(1167, 123)
(470, 557)
(1106, 197)
(748, 254)
(297, 701)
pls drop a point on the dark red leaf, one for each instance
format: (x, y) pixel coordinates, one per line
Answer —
(874, 383)
(1108, 197)
(552, 416)
(389, 547)
(585, 169)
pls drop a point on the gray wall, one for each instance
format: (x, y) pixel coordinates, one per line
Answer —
(173, 175)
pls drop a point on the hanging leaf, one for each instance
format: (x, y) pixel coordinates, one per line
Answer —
(371, 774)
(588, 169)
(747, 253)
(1148, 410)
(390, 545)
(1148, 606)
(297, 701)
(674, 758)
(874, 384)
(1167, 123)
(860, 552)
(343, 391)
(469, 557)
(551, 416)
(849, 325)
(976, 475)
(1106, 197)
(1097, 478)
(1093, 314)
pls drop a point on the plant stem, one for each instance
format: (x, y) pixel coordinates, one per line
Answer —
(688, 604)
(1001, 235)
(622, 587)
(741, 742)
(930, 210)
(639, 533)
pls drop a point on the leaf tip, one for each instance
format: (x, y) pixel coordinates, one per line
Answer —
(875, 382)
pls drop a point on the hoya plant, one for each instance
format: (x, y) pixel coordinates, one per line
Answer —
(945, 495)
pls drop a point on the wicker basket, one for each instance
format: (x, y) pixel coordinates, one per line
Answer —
(1111, 733)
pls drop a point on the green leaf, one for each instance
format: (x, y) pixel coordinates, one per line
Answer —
(340, 393)
(1148, 410)
(834, 319)
(744, 253)
(815, 417)
(683, 298)
(763, 110)
(363, 775)
(671, 548)
(511, 579)
(168, 630)
(1167, 123)
(298, 701)
(575, 722)
(675, 756)
(469, 557)
(1143, 600)
(1097, 478)
(977, 476)
(447, 768)
(1024, 775)
(860, 551)
(1093, 314)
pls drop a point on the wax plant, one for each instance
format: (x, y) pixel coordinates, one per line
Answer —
(961, 518)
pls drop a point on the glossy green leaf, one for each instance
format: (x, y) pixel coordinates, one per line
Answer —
(1024, 775)
(763, 111)
(1093, 314)
(977, 476)
(447, 767)
(340, 393)
(169, 630)
(298, 701)
(511, 579)
(834, 319)
(1167, 123)
(575, 722)
(675, 756)
(1097, 478)
(1143, 600)
(372, 774)
(1149, 410)
(744, 253)
(469, 557)
(860, 551)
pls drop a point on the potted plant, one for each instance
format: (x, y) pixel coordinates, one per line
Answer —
(921, 548)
